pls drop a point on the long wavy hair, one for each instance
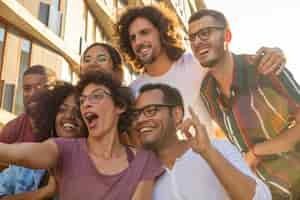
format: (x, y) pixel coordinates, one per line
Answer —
(166, 23)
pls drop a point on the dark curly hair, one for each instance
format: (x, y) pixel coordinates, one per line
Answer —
(163, 19)
(46, 106)
(114, 54)
(121, 95)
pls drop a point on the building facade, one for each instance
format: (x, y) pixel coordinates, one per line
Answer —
(54, 33)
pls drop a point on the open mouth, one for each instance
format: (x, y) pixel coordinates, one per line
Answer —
(91, 118)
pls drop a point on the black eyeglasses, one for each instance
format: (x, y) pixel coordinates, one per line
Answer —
(95, 97)
(204, 33)
(149, 110)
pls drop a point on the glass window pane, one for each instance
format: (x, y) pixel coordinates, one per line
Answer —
(24, 63)
(44, 13)
(2, 32)
(55, 4)
(26, 45)
(2, 37)
(8, 96)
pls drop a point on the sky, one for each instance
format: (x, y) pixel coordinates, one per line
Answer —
(257, 23)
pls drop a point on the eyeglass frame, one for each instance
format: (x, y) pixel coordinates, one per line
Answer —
(192, 38)
(142, 110)
(93, 95)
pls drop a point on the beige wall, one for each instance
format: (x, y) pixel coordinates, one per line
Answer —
(31, 5)
(90, 28)
(11, 57)
(43, 56)
(74, 24)
(77, 18)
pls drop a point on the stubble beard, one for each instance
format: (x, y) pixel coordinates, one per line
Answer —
(166, 140)
(147, 61)
(218, 56)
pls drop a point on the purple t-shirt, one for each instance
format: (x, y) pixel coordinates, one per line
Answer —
(79, 179)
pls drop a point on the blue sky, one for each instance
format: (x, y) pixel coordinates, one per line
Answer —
(257, 23)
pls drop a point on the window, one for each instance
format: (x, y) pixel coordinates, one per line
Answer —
(56, 4)
(55, 19)
(8, 96)
(44, 13)
(66, 73)
(2, 40)
(2, 37)
(24, 63)
(51, 16)
(80, 46)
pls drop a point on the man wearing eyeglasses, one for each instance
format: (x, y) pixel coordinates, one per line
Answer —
(260, 114)
(196, 168)
(149, 39)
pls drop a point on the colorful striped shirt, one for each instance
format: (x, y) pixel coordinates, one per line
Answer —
(258, 109)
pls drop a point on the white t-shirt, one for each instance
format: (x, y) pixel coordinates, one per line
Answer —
(191, 178)
(186, 74)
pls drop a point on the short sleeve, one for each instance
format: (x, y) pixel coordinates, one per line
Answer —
(9, 132)
(153, 167)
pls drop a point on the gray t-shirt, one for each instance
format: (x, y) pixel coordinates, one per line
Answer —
(79, 179)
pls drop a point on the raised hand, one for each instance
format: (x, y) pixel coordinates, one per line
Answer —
(195, 133)
(272, 60)
(252, 160)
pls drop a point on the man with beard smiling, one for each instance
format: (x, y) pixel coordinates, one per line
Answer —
(35, 78)
(21, 129)
(197, 168)
(149, 38)
(258, 113)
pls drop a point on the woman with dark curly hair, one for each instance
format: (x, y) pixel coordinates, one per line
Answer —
(99, 166)
(55, 113)
(102, 56)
